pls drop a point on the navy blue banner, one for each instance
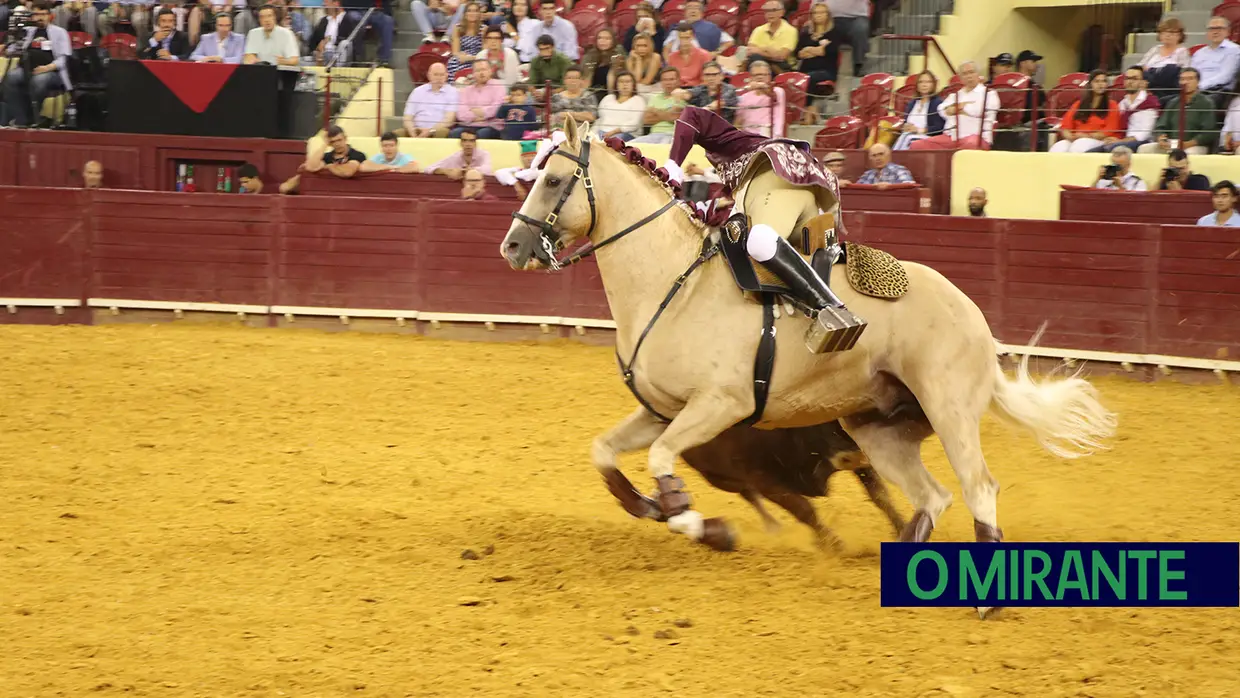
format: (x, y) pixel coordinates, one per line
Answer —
(1061, 574)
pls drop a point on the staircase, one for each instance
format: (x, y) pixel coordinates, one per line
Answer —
(404, 44)
(909, 18)
(1194, 14)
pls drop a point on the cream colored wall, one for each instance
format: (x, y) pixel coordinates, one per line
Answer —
(1026, 185)
(368, 107)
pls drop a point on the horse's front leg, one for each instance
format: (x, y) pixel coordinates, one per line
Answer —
(637, 431)
(702, 419)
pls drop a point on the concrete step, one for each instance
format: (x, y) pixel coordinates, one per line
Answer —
(405, 23)
(1195, 5)
(400, 57)
(1193, 20)
(392, 123)
(1144, 42)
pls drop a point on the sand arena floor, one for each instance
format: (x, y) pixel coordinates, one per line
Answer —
(207, 511)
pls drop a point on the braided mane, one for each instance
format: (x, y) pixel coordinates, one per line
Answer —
(658, 174)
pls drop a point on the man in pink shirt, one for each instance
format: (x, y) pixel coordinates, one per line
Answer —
(478, 104)
(688, 58)
(469, 157)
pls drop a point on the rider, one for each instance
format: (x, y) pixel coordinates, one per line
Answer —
(731, 151)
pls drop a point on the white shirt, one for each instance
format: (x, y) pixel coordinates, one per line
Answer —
(1140, 123)
(1231, 124)
(627, 117)
(1130, 182)
(971, 120)
(920, 114)
(509, 71)
(332, 35)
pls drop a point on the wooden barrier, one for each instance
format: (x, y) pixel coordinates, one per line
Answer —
(864, 197)
(405, 186)
(931, 168)
(1156, 207)
(1142, 290)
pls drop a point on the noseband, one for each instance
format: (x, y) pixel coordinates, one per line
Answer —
(549, 243)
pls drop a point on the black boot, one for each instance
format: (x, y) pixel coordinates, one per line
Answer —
(835, 328)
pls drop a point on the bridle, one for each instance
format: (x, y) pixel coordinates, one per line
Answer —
(548, 242)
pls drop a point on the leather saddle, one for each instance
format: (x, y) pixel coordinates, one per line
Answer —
(816, 241)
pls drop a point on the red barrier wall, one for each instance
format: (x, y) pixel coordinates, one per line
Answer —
(1165, 207)
(1143, 289)
(931, 168)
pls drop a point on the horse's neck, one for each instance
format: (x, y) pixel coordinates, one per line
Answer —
(638, 270)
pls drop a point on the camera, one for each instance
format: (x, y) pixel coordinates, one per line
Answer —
(1110, 171)
(1171, 173)
(19, 20)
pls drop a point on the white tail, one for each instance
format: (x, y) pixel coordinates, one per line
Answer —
(1064, 414)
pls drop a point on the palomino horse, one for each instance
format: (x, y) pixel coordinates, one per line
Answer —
(927, 363)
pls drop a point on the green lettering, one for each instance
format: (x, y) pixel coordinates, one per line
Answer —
(1165, 575)
(1072, 562)
(968, 573)
(912, 575)
(1015, 582)
(1142, 574)
(1032, 577)
(1099, 564)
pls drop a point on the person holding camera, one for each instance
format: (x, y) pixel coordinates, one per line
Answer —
(43, 66)
(1118, 174)
(1177, 177)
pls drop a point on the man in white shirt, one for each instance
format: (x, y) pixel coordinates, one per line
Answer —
(1138, 113)
(271, 43)
(505, 66)
(431, 108)
(1224, 201)
(1118, 175)
(977, 125)
(1217, 62)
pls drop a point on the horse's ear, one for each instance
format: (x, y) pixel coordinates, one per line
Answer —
(570, 131)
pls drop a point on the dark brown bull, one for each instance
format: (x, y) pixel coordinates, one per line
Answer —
(787, 466)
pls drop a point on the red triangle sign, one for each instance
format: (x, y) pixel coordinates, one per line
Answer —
(195, 84)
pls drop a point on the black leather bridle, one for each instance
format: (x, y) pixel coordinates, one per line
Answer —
(549, 243)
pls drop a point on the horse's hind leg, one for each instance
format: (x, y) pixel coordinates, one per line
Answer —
(962, 442)
(803, 509)
(878, 493)
(755, 500)
(637, 431)
(894, 449)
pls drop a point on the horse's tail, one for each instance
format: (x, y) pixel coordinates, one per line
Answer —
(1064, 414)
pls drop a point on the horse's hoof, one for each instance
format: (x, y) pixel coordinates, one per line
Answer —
(986, 533)
(984, 611)
(717, 535)
(918, 528)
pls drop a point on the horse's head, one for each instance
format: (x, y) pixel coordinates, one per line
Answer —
(559, 209)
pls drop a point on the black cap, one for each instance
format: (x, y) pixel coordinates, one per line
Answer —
(1027, 55)
(1005, 58)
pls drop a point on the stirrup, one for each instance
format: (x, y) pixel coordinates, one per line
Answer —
(834, 329)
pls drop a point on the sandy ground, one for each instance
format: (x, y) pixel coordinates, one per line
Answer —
(216, 511)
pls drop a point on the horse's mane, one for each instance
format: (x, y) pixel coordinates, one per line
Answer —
(649, 167)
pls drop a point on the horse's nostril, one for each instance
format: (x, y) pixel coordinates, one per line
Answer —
(512, 247)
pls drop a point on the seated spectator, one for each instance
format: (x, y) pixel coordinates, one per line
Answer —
(647, 24)
(474, 187)
(1092, 119)
(335, 26)
(251, 182)
(521, 30)
(1003, 63)
(470, 156)
(380, 21)
(922, 118)
(561, 31)
(294, 21)
(431, 108)
(340, 159)
(1224, 201)
(478, 104)
(1162, 63)
(1177, 175)
(883, 172)
(74, 12)
(466, 39)
(1217, 63)
(713, 88)
(773, 42)
(38, 64)
(706, 34)
(389, 158)
(1138, 112)
(662, 109)
(505, 67)
(818, 51)
(977, 202)
(603, 60)
(518, 115)
(1118, 175)
(436, 17)
(166, 44)
(754, 112)
(622, 113)
(1200, 126)
(92, 175)
(835, 162)
(688, 58)
(573, 100)
(549, 65)
(645, 64)
(1229, 137)
(853, 16)
(138, 16)
(221, 45)
(977, 121)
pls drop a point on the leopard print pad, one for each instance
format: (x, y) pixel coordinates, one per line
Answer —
(874, 273)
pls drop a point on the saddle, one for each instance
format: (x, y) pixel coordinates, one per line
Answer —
(869, 271)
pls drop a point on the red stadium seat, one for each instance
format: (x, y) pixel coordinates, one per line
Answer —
(1058, 101)
(120, 46)
(725, 14)
(1231, 12)
(623, 5)
(1078, 80)
(739, 80)
(1116, 92)
(420, 63)
(881, 79)
(671, 18)
(840, 133)
(588, 24)
(463, 73)
(1013, 91)
(753, 18)
(594, 5)
(800, 17)
(438, 48)
(1195, 49)
(869, 102)
(622, 21)
(952, 85)
(81, 40)
(796, 91)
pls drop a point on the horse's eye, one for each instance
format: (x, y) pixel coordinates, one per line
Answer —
(553, 181)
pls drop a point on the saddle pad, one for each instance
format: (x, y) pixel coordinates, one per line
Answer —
(874, 273)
